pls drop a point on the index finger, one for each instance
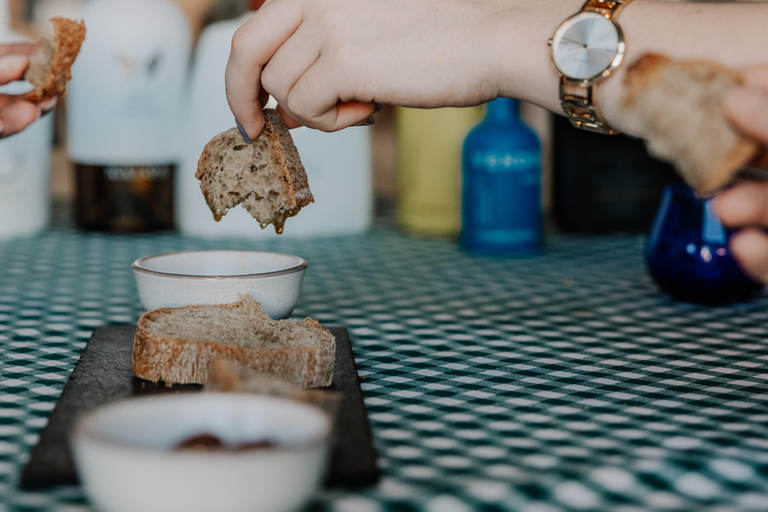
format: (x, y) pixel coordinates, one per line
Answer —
(25, 49)
(253, 45)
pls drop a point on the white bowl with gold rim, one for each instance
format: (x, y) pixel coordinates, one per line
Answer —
(220, 277)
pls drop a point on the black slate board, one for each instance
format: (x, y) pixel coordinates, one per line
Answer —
(103, 374)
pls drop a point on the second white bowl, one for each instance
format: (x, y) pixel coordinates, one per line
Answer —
(220, 277)
(127, 462)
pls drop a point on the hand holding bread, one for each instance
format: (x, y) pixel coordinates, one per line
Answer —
(46, 65)
(678, 108)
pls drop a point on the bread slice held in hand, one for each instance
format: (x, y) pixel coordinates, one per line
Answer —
(265, 176)
(178, 345)
(677, 107)
(50, 67)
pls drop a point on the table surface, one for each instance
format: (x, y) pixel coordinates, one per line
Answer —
(558, 382)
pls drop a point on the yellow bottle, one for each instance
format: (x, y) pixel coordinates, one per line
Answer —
(429, 168)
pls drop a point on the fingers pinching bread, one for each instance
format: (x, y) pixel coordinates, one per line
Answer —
(50, 67)
(265, 176)
(677, 107)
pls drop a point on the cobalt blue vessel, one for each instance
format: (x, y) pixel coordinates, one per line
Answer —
(501, 198)
(687, 252)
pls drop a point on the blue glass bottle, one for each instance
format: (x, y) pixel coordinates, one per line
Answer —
(501, 196)
(687, 252)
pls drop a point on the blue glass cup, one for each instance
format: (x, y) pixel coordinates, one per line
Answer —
(687, 252)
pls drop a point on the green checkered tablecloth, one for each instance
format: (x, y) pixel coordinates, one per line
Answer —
(562, 382)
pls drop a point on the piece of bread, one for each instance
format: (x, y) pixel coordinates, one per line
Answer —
(265, 176)
(224, 376)
(49, 67)
(177, 345)
(676, 106)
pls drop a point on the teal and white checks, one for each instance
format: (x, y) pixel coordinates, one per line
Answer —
(562, 382)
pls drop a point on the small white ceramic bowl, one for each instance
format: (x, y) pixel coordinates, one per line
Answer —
(126, 459)
(220, 277)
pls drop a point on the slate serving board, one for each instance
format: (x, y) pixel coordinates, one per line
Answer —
(103, 374)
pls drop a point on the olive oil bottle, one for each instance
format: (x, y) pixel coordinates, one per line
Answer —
(125, 117)
(429, 168)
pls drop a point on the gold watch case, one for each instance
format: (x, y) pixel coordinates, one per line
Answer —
(615, 62)
(577, 95)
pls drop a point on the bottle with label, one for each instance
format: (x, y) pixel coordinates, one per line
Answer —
(502, 184)
(25, 160)
(429, 168)
(125, 113)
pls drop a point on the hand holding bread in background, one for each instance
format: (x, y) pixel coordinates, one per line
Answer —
(16, 113)
(46, 65)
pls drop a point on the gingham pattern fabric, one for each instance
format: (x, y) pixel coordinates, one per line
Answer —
(561, 382)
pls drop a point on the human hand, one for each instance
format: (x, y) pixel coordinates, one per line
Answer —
(327, 62)
(745, 206)
(15, 112)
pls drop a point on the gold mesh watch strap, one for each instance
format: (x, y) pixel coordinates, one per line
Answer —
(579, 105)
(577, 99)
(607, 8)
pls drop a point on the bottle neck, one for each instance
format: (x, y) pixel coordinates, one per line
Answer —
(5, 16)
(503, 110)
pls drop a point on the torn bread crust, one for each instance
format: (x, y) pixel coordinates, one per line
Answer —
(676, 106)
(50, 67)
(266, 176)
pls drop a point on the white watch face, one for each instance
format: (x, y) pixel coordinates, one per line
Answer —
(584, 46)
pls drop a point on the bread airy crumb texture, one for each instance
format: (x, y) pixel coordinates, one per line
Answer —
(50, 67)
(676, 106)
(224, 376)
(265, 176)
(177, 345)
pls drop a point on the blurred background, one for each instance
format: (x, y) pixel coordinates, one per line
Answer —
(125, 144)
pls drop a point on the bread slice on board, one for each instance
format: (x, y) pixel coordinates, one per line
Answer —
(265, 176)
(676, 106)
(177, 345)
(49, 68)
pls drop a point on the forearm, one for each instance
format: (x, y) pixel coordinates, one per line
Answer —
(733, 34)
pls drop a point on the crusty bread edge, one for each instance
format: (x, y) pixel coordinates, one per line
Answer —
(69, 39)
(149, 347)
(641, 73)
(285, 147)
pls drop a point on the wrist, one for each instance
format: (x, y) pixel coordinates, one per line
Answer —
(520, 61)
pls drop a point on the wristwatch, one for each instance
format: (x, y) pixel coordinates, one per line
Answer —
(585, 49)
